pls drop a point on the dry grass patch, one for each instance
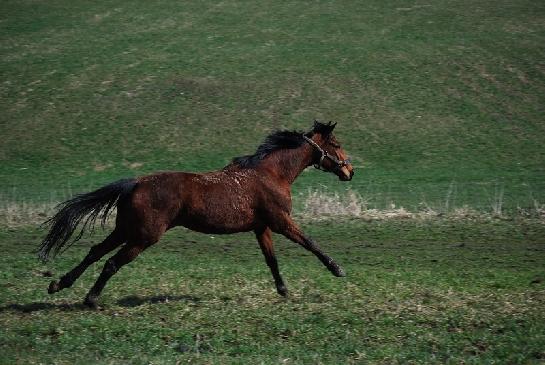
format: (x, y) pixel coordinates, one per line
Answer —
(18, 214)
(320, 205)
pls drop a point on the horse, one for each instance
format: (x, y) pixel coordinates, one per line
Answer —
(252, 193)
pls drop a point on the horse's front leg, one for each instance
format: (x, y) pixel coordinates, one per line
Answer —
(265, 242)
(287, 227)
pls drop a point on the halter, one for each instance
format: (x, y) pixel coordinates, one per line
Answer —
(339, 164)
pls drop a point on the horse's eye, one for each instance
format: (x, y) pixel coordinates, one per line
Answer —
(335, 145)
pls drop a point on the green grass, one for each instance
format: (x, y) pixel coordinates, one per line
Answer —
(421, 292)
(427, 96)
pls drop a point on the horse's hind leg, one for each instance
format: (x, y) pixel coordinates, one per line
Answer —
(265, 242)
(114, 240)
(125, 255)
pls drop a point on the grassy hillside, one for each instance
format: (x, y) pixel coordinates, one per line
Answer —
(436, 101)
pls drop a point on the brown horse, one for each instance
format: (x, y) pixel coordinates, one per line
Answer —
(250, 194)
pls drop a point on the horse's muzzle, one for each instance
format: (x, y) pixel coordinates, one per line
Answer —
(345, 177)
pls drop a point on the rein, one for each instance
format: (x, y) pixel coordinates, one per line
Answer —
(339, 164)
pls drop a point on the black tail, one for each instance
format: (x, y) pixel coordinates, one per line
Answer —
(82, 207)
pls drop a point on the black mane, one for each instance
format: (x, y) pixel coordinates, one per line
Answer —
(275, 141)
(281, 140)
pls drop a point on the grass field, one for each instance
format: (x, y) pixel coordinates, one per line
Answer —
(439, 103)
(422, 292)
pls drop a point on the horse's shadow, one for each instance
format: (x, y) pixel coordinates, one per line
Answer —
(130, 301)
(135, 300)
(42, 306)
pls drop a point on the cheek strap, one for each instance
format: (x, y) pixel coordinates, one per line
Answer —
(338, 163)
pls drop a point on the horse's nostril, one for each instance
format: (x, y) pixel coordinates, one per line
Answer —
(351, 173)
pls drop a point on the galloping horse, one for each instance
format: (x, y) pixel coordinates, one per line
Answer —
(252, 193)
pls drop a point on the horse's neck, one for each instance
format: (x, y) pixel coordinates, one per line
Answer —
(287, 164)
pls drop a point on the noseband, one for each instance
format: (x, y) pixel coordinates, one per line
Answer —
(339, 164)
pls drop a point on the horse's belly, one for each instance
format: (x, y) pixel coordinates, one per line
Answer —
(218, 216)
(217, 224)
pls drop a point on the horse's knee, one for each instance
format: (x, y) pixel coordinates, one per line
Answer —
(110, 267)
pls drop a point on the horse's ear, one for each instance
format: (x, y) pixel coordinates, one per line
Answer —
(323, 129)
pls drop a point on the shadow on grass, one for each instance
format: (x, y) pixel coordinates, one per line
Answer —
(129, 302)
(41, 306)
(135, 300)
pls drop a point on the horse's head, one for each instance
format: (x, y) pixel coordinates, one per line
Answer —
(328, 153)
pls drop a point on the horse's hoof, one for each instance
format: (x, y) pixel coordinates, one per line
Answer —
(338, 271)
(53, 287)
(92, 303)
(282, 291)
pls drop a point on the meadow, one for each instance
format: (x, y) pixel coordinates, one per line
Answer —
(415, 292)
(440, 105)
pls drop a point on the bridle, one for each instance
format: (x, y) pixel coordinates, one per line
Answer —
(339, 164)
